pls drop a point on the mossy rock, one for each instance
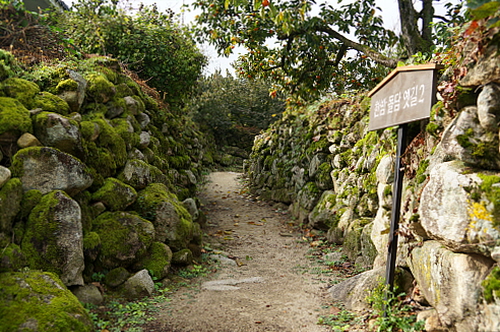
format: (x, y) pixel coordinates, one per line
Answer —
(38, 301)
(116, 277)
(11, 195)
(14, 117)
(12, 258)
(115, 194)
(22, 90)
(125, 238)
(51, 103)
(91, 246)
(53, 238)
(173, 223)
(100, 89)
(182, 257)
(491, 286)
(67, 85)
(158, 260)
(139, 174)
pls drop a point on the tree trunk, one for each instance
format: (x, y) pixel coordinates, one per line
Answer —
(413, 40)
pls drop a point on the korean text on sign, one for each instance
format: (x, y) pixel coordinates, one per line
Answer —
(411, 97)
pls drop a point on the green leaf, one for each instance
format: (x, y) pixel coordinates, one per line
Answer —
(486, 10)
(474, 4)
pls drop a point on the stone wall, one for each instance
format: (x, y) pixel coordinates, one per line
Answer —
(337, 176)
(97, 181)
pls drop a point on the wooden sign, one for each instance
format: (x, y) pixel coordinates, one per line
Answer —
(405, 95)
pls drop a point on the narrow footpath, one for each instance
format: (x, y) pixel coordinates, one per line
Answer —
(263, 280)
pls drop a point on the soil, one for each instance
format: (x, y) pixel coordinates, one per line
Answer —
(263, 279)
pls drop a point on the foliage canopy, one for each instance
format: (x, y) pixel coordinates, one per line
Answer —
(343, 47)
(151, 43)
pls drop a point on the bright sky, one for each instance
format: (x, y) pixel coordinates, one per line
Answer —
(389, 15)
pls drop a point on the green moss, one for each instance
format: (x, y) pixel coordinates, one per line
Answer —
(432, 128)
(22, 90)
(179, 161)
(491, 285)
(420, 175)
(51, 103)
(123, 90)
(324, 180)
(39, 243)
(39, 299)
(10, 203)
(12, 258)
(464, 139)
(116, 277)
(100, 89)
(122, 127)
(14, 117)
(102, 162)
(124, 238)
(158, 260)
(91, 241)
(491, 188)
(66, 85)
(115, 194)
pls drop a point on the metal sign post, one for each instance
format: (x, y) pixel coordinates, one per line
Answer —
(405, 95)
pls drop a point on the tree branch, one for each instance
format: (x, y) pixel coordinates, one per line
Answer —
(368, 51)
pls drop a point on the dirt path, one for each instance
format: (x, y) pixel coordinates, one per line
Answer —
(264, 286)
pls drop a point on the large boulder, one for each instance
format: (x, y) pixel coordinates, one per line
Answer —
(125, 239)
(173, 223)
(53, 240)
(46, 169)
(454, 196)
(38, 301)
(451, 283)
(157, 261)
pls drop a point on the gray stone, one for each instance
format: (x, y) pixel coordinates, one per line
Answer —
(385, 170)
(54, 237)
(139, 174)
(488, 107)
(223, 260)
(57, 131)
(445, 201)
(145, 139)
(133, 105)
(136, 154)
(485, 71)
(450, 282)
(353, 291)
(143, 120)
(190, 205)
(229, 284)
(46, 169)
(324, 216)
(88, 294)
(4, 175)
(139, 285)
(467, 141)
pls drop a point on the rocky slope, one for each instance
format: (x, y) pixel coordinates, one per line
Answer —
(337, 176)
(97, 180)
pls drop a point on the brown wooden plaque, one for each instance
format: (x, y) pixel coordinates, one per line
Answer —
(405, 95)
